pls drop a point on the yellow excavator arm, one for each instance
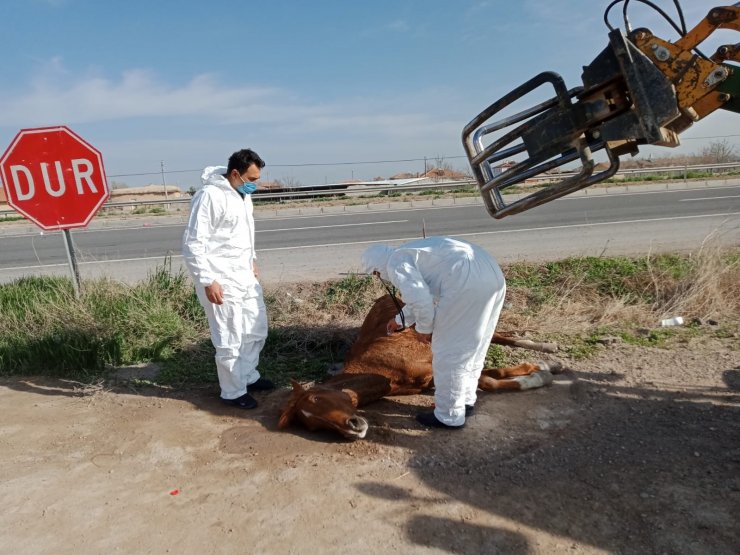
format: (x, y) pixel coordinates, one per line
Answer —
(639, 90)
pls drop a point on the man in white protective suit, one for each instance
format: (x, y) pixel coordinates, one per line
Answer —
(453, 291)
(218, 248)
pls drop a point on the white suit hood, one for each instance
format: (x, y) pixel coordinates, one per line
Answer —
(214, 175)
(375, 259)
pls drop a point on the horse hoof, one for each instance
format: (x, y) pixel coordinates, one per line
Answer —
(554, 366)
(534, 380)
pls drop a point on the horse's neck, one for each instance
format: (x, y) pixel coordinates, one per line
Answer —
(362, 388)
(382, 310)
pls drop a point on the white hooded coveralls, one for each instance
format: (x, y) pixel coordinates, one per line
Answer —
(454, 290)
(218, 245)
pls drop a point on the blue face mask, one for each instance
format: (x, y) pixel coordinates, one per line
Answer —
(246, 188)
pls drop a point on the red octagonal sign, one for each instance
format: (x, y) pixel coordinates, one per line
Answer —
(53, 177)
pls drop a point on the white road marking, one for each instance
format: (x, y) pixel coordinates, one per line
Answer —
(108, 261)
(137, 228)
(706, 198)
(392, 240)
(330, 226)
(378, 211)
(621, 222)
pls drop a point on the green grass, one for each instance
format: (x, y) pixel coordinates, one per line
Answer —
(725, 332)
(306, 338)
(156, 210)
(347, 292)
(45, 330)
(588, 345)
(11, 218)
(658, 337)
(284, 358)
(581, 348)
(630, 279)
(677, 174)
(498, 357)
(585, 346)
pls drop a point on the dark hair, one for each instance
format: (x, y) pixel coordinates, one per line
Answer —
(243, 159)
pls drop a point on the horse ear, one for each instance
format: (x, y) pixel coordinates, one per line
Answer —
(297, 387)
(287, 416)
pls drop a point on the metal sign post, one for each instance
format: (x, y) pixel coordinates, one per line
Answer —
(72, 259)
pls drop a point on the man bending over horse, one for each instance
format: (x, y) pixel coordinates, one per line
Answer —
(453, 292)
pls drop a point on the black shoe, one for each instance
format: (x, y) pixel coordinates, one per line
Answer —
(428, 419)
(469, 410)
(246, 401)
(262, 384)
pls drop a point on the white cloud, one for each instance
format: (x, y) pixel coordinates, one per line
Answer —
(57, 97)
(137, 118)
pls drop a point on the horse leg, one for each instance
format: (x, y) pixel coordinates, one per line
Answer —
(503, 338)
(518, 378)
(520, 383)
(487, 383)
(523, 369)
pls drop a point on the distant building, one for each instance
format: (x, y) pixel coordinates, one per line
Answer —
(501, 168)
(149, 192)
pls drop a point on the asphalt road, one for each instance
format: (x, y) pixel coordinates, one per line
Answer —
(297, 247)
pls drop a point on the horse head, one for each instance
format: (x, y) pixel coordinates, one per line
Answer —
(324, 408)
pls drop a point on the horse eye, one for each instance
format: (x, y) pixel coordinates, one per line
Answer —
(313, 399)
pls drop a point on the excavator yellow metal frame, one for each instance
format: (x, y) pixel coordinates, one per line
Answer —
(639, 90)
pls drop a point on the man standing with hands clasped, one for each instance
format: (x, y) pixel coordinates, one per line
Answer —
(218, 248)
(453, 292)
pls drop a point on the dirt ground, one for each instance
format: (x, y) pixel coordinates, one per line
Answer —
(634, 451)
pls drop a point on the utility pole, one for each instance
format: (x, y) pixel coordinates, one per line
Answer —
(164, 185)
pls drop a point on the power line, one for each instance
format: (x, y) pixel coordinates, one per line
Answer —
(358, 163)
(717, 137)
(308, 164)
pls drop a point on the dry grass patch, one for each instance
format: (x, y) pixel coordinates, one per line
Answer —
(579, 294)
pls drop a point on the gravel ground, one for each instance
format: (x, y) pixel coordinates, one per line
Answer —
(636, 450)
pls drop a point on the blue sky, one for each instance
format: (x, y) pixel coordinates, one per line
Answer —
(301, 82)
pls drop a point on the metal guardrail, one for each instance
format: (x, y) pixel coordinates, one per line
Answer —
(304, 192)
(657, 170)
(362, 190)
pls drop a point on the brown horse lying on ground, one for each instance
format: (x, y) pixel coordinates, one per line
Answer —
(380, 365)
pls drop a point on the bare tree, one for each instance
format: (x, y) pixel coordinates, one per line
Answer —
(440, 163)
(720, 152)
